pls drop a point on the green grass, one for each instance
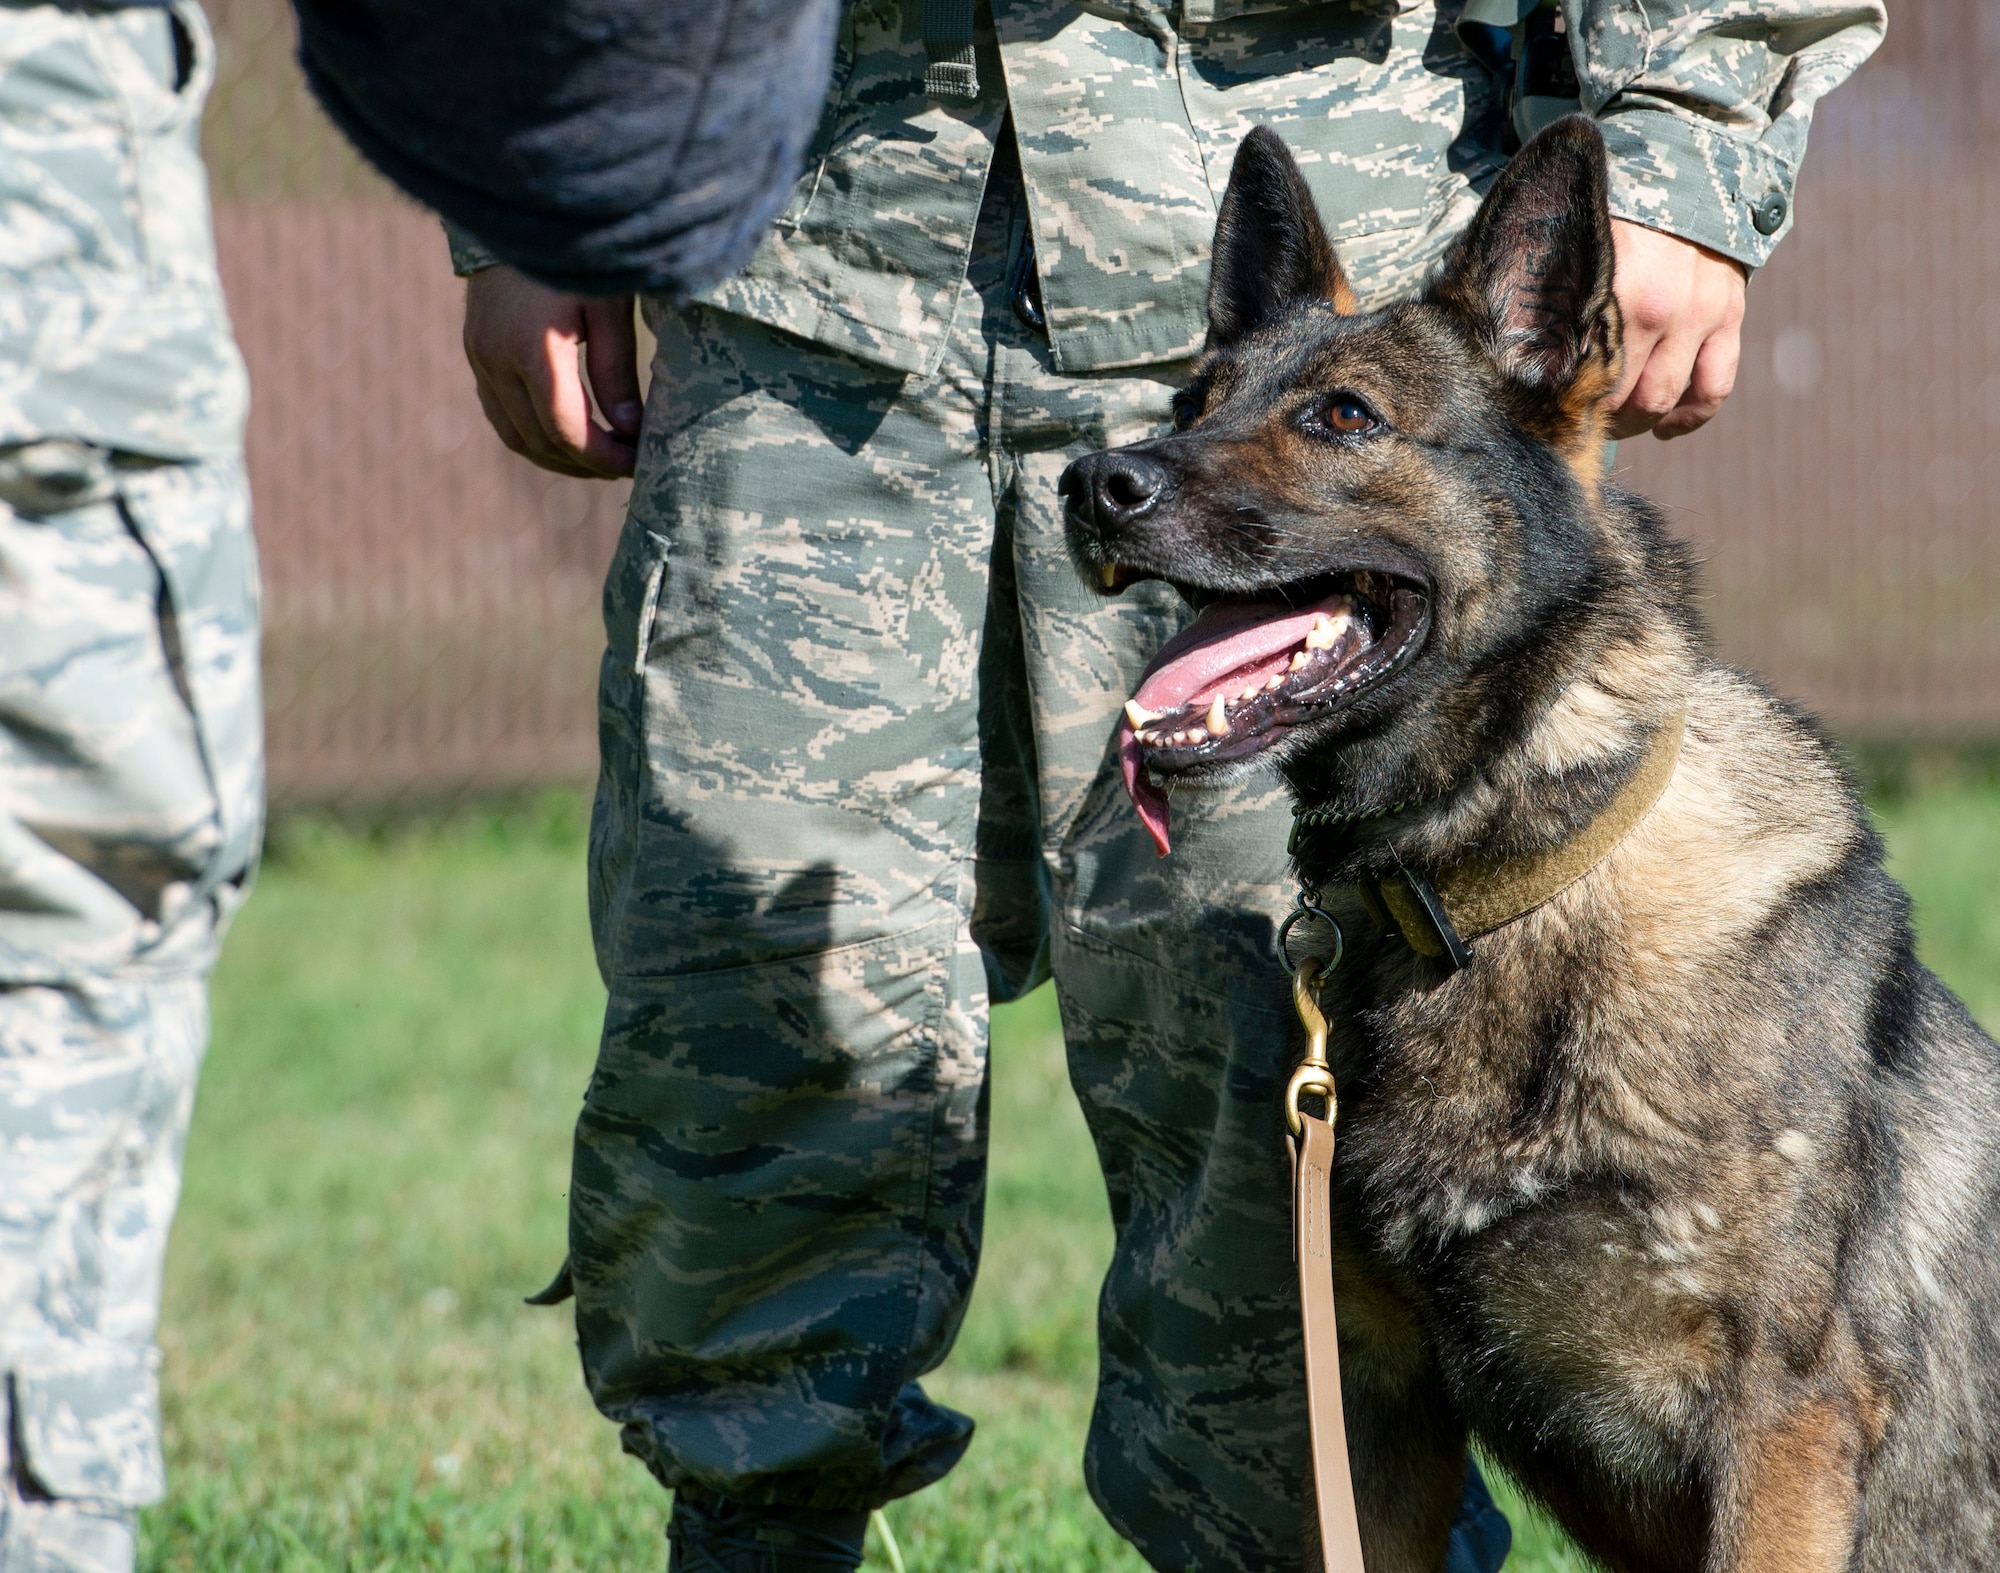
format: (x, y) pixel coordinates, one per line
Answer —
(404, 1023)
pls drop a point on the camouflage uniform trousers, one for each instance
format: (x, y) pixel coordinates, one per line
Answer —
(96, 1084)
(128, 761)
(857, 782)
(131, 783)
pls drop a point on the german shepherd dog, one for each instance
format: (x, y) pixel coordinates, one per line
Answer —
(1679, 1194)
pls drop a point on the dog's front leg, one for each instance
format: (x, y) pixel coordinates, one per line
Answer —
(1789, 1494)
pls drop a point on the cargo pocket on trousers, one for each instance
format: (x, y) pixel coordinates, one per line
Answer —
(193, 520)
(88, 1426)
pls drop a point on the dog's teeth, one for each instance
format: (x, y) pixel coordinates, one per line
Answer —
(1300, 660)
(1218, 717)
(1108, 576)
(1139, 715)
(1249, 694)
(1277, 682)
(1326, 631)
(1196, 734)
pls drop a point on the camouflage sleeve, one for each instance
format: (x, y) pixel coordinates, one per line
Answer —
(467, 255)
(1705, 105)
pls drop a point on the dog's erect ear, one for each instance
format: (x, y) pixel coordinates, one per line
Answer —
(1531, 275)
(1271, 250)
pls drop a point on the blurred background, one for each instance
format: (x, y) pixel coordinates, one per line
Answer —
(407, 1011)
(433, 600)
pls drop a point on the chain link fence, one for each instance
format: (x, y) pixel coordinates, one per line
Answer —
(432, 600)
(1846, 498)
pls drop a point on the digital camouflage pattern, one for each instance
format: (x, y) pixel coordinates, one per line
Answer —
(130, 757)
(97, 1084)
(1705, 106)
(1128, 119)
(856, 720)
(112, 322)
(130, 735)
(856, 774)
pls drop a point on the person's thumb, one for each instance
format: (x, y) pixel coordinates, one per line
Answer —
(611, 356)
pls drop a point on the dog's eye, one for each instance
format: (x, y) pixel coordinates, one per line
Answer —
(1187, 410)
(1349, 416)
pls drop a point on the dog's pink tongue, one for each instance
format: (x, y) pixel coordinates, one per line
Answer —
(1148, 799)
(1227, 637)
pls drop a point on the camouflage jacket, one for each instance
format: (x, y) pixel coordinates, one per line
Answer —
(1128, 113)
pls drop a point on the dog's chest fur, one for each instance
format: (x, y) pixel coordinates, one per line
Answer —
(1614, 1161)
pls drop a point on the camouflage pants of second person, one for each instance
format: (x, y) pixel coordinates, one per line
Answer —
(857, 782)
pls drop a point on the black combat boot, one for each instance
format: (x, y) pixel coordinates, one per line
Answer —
(711, 1534)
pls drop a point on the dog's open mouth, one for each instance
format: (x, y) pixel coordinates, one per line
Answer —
(1247, 671)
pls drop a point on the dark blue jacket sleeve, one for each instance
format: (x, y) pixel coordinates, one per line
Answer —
(599, 145)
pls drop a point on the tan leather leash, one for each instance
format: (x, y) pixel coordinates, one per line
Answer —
(1311, 1144)
(1465, 902)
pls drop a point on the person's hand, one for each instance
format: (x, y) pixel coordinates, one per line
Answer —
(521, 338)
(1683, 309)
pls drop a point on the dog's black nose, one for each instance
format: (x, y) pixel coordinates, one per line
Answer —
(1111, 489)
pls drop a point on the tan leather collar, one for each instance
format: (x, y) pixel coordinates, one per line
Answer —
(1437, 915)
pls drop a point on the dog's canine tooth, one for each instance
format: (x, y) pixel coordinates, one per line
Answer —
(1108, 576)
(1218, 717)
(1139, 715)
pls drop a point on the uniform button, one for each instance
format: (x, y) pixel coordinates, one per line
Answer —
(1769, 214)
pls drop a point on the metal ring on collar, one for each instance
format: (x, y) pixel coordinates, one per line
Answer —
(1303, 908)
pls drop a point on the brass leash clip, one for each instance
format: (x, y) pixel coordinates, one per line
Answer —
(1314, 1074)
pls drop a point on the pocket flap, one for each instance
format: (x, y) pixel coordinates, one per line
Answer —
(88, 1425)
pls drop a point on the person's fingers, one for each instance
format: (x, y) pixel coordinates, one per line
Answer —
(1711, 382)
(1660, 384)
(553, 376)
(1629, 419)
(611, 356)
(537, 443)
(1637, 350)
(608, 456)
(511, 414)
(498, 418)
(1651, 280)
(1711, 319)
(494, 302)
(523, 341)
